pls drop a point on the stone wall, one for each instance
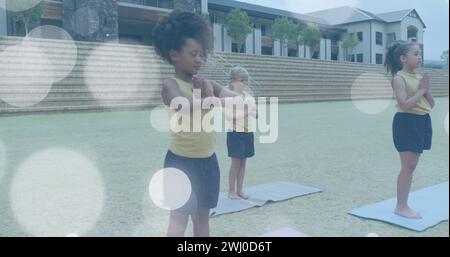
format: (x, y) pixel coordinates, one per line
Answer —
(91, 20)
(187, 5)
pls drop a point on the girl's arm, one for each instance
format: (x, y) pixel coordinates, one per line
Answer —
(402, 98)
(171, 91)
(211, 93)
(430, 99)
(222, 92)
(428, 95)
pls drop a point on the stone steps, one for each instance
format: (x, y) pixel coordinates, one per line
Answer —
(114, 77)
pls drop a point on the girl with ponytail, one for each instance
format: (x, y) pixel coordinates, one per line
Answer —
(412, 129)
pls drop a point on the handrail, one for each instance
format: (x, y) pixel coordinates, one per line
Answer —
(216, 59)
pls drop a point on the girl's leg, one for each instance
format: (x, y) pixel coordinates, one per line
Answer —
(240, 181)
(177, 224)
(201, 223)
(409, 164)
(234, 171)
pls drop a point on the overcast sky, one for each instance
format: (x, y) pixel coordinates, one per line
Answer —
(433, 12)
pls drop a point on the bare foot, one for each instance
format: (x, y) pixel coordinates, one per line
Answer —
(233, 196)
(408, 213)
(243, 195)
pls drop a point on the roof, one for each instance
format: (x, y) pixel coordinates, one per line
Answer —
(399, 16)
(395, 16)
(343, 15)
(267, 11)
(347, 14)
(326, 18)
(373, 16)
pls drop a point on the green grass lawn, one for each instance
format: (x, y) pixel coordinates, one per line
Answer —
(333, 146)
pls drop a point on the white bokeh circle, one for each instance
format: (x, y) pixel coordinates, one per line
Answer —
(57, 192)
(26, 75)
(115, 76)
(64, 57)
(170, 189)
(85, 21)
(371, 93)
(159, 119)
(18, 5)
(446, 124)
(2, 160)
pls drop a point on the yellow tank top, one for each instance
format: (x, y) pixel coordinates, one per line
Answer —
(245, 124)
(412, 81)
(187, 143)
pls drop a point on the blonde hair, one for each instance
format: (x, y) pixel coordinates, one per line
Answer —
(238, 72)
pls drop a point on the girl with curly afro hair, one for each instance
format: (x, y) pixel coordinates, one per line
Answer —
(184, 40)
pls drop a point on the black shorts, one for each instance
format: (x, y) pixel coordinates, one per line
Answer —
(241, 145)
(204, 175)
(412, 132)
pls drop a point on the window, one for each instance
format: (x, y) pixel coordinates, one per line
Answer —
(315, 55)
(334, 48)
(335, 41)
(267, 51)
(351, 58)
(130, 39)
(292, 52)
(391, 37)
(168, 4)
(413, 15)
(235, 48)
(360, 58)
(263, 30)
(213, 17)
(334, 56)
(360, 36)
(379, 38)
(412, 34)
(379, 59)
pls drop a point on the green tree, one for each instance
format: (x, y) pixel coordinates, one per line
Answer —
(284, 30)
(238, 26)
(29, 14)
(444, 56)
(311, 36)
(349, 44)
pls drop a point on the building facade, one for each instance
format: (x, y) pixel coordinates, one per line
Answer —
(375, 32)
(3, 18)
(124, 21)
(131, 21)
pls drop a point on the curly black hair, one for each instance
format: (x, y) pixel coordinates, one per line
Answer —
(172, 31)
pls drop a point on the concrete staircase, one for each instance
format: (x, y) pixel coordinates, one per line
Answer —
(39, 75)
(301, 80)
(99, 76)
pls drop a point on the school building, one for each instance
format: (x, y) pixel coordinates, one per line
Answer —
(131, 21)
